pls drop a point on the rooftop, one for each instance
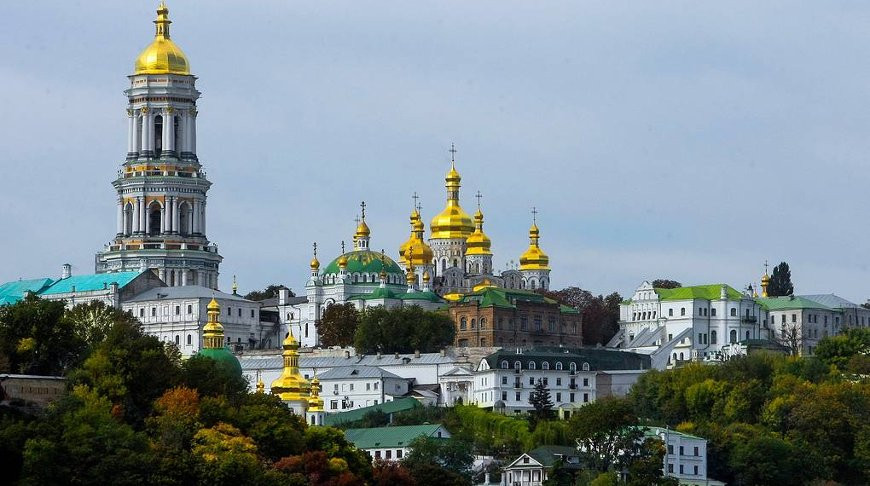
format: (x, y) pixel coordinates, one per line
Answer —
(90, 283)
(507, 298)
(389, 437)
(184, 292)
(599, 359)
(705, 292)
(346, 372)
(394, 406)
(789, 303)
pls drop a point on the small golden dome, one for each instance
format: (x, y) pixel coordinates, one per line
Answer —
(362, 230)
(342, 261)
(290, 341)
(478, 243)
(315, 263)
(162, 56)
(415, 251)
(213, 306)
(484, 284)
(411, 277)
(534, 258)
(453, 297)
(291, 385)
(426, 276)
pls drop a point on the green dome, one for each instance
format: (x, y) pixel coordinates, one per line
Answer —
(223, 355)
(366, 261)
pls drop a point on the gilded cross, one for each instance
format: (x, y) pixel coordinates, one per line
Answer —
(453, 153)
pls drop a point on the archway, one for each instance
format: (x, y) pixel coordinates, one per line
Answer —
(154, 218)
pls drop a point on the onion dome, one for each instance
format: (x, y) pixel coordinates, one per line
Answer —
(213, 340)
(765, 281)
(291, 385)
(452, 222)
(478, 243)
(261, 387)
(415, 217)
(426, 277)
(416, 251)
(162, 56)
(315, 263)
(315, 403)
(484, 284)
(534, 258)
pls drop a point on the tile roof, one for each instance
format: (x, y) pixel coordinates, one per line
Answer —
(599, 359)
(253, 362)
(547, 455)
(389, 437)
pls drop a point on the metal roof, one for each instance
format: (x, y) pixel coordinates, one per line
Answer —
(253, 362)
(91, 283)
(393, 406)
(390, 437)
(184, 292)
(348, 372)
(599, 359)
(790, 302)
(12, 292)
(831, 300)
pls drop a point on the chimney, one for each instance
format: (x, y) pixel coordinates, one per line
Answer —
(65, 271)
(397, 355)
(379, 355)
(347, 354)
(416, 353)
(283, 296)
(723, 292)
(444, 351)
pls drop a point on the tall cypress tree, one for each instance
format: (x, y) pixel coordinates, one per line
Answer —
(780, 282)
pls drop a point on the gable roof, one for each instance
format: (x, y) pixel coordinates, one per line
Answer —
(705, 292)
(12, 292)
(394, 406)
(390, 437)
(831, 300)
(507, 298)
(545, 455)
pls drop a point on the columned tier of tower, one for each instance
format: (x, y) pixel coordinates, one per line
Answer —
(161, 117)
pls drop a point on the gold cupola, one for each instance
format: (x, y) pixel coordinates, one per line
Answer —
(415, 251)
(291, 385)
(534, 258)
(452, 222)
(415, 216)
(765, 281)
(478, 243)
(363, 233)
(315, 403)
(162, 56)
(315, 263)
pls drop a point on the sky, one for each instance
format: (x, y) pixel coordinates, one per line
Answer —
(682, 140)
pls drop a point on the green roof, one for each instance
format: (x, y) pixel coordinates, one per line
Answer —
(378, 293)
(705, 292)
(507, 298)
(426, 295)
(790, 302)
(12, 292)
(547, 455)
(400, 405)
(655, 432)
(389, 437)
(365, 261)
(89, 283)
(222, 355)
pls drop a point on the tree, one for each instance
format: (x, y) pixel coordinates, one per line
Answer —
(839, 350)
(226, 456)
(451, 454)
(600, 314)
(780, 281)
(391, 473)
(338, 324)
(269, 292)
(36, 339)
(540, 400)
(93, 320)
(213, 378)
(789, 336)
(403, 330)
(606, 434)
(663, 283)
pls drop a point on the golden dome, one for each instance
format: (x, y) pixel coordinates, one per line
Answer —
(484, 284)
(362, 230)
(426, 276)
(162, 56)
(534, 258)
(342, 261)
(315, 263)
(453, 297)
(315, 403)
(478, 243)
(416, 251)
(291, 385)
(411, 277)
(213, 306)
(452, 222)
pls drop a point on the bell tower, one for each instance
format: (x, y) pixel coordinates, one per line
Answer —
(161, 186)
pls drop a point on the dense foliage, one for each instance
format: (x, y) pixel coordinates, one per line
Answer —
(270, 292)
(664, 283)
(403, 330)
(600, 314)
(780, 281)
(338, 324)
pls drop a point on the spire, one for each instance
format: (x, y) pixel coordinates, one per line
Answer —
(261, 387)
(534, 258)
(162, 22)
(315, 263)
(765, 281)
(452, 222)
(235, 286)
(213, 331)
(361, 237)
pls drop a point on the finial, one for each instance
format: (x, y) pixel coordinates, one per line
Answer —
(453, 153)
(162, 22)
(534, 215)
(235, 286)
(315, 249)
(342, 247)
(415, 197)
(765, 267)
(419, 208)
(478, 196)
(362, 205)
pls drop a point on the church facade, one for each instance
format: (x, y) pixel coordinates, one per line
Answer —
(161, 186)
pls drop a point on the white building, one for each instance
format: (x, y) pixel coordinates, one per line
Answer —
(686, 457)
(178, 314)
(688, 322)
(392, 443)
(800, 323)
(350, 387)
(506, 379)
(534, 467)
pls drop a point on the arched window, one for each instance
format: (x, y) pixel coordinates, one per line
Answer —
(177, 340)
(712, 337)
(585, 366)
(158, 135)
(504, 365)
(681, 356)
(572, 366)
(531, 365)
(128, 219)
(545, 365)
(747, 334)
(518, 365)
(733, 312)
(533, 284)
(474, 323)
(185, 213)
(682, 311)
(558, 366)
(733, 336)
(189, 338)
(463, 324)
(154, 218)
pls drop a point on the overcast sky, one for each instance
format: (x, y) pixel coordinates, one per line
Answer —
(686, 140)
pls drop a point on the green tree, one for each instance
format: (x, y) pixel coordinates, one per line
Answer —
(454, 455)
(839, 350)
(606, 434)
(270, 292)
(403, 330)
(541, 402)
(663, 283)
(600, 314)
(338, 324)
(226, 456)
(93, 320)
(277, 431)
(780, 281)
(213, 378)
(36, 339)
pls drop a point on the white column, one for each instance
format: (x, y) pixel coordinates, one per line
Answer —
(161, 273)
(163, 212)
(196, 216)
(185, 130)
(169, 132)
(184, 277)
(120, 219)
(143, 218)
(175, 215)
(166, 131)
(131, 133)
(145, 143)
(136, 215)
(202, 220)
(192, 135)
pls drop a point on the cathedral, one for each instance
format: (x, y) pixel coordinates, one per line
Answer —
(161, 186)
(455, 260)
